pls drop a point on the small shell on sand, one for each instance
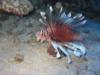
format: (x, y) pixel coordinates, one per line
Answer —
(19, 58)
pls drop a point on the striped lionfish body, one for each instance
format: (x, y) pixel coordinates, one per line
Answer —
(59, 33)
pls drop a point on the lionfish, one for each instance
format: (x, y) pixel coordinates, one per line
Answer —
(58, 31)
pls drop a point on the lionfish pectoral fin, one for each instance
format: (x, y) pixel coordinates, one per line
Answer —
(55, 46)
(78, 48)
(66, 53)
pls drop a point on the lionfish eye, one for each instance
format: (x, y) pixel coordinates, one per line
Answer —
(42, 32)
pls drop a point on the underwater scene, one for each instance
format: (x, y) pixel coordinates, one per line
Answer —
(49, 37)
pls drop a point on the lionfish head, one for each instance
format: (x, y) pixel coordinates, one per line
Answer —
(41, 36)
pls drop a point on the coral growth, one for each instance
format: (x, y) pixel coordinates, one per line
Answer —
(17, 7)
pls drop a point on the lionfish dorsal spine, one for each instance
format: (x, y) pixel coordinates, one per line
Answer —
(62, 17)
(74, 21)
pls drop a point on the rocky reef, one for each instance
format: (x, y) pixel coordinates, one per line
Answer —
(18, 7)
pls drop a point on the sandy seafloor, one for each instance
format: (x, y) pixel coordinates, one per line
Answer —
(17, 37)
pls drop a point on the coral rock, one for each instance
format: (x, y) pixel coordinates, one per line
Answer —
(18, 7)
